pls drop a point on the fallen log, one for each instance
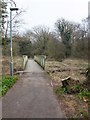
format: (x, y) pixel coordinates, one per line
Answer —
(19, 72)
(69, 81)
(70, 84)
(65, 81)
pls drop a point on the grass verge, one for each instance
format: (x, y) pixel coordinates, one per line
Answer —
(81, 92)
(75, 102)
(6, 83)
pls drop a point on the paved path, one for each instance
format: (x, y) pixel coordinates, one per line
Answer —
(32, 96)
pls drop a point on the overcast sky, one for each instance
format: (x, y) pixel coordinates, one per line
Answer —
(46, 12)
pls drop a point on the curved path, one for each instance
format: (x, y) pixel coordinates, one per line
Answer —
(32, 96)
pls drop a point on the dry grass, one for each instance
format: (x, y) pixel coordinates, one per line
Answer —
(68, 67)
(17, 62)
(71, 105)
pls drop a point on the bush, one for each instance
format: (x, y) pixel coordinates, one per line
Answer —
(7, 83)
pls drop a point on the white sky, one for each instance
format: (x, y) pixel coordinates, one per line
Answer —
(46, 12)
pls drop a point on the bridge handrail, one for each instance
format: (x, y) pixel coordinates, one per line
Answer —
(25, 60)
(40, 59)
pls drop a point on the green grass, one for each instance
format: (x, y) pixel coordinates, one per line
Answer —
(59, 91)
(6, 83)
(82, 91)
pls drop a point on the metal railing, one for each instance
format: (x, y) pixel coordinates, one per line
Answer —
(25, 59)
(40, 59)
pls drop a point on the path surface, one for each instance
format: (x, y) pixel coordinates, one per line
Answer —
(32, 96)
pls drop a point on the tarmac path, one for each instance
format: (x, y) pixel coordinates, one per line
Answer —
(32, 96)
